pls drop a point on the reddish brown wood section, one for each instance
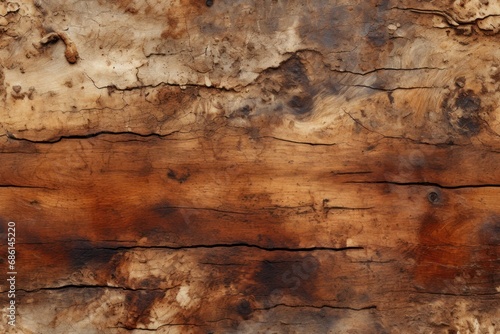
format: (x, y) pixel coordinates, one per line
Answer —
(251, 167)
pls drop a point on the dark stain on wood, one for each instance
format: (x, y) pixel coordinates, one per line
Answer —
(462, 108)
(244, 308)
(468, 101)
(489, 233)
(391, 97)
(469, 125)
(377, 36)
(242, 112)
(294, 73)
(289, 274)
(301, 104)
(296, 83)
(139, 304)
(470, 104)
(164, 210)
(180, 177)
(87, 256)
(326, 28)
(488, 253)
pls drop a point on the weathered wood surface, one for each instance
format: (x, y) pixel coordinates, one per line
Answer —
(252, 166)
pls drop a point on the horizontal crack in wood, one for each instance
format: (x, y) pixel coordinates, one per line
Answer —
(428, 184)
(90, 135)
(23, 186)
(370, 307)
(90, 286)
(267, 249)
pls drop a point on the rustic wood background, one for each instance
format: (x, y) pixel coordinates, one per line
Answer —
(257, 166)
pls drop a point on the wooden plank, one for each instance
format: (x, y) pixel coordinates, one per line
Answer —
(257, 167)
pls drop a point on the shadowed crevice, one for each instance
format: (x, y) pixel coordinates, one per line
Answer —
(90, 135)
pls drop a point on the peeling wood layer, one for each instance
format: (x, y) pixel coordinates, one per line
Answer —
(251, 166)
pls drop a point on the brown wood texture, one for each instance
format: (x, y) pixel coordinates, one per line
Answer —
(265, 166)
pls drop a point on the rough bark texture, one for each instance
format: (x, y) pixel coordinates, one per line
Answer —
(267, 166)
